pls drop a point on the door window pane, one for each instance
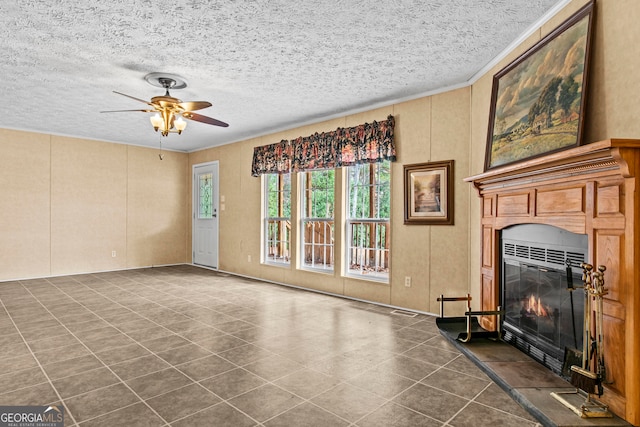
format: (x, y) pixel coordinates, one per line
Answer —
(205, 210)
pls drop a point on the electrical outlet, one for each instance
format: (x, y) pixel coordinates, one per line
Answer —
(407, 281)
(113, 254)
(248, 258)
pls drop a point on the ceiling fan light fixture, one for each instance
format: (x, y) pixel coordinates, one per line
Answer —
(179, 124)
(156, 121)
(164, 122)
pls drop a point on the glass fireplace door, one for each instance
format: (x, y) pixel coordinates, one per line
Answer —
(541, 309)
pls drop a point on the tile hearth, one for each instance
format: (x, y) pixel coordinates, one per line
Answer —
(529, 383)
(185, 346)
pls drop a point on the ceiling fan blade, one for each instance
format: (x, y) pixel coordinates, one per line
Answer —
(132, 97)
(194, 105)
(203, 119)
(124, 111)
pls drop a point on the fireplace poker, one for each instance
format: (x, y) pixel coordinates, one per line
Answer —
(571, 289)
(572, 355)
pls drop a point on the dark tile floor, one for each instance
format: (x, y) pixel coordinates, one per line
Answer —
(185, 346)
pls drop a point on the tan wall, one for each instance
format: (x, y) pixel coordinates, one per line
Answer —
(88, 205)
(25, 204)
(157, 221)
(67, 203)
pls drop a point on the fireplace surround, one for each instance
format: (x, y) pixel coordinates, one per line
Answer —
(591, 190)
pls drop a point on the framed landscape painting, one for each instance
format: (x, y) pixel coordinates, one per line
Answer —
(538, 100)
(428, 193)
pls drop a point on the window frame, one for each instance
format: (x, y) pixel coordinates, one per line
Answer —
(284, 220)
(304, 206)
(381, 250)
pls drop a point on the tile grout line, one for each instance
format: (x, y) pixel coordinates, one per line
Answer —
(226, 401)
(140, 343)
(238, 366)
(416, 382)
(33, 354)
(466, 404)
(85, 346)
(491, 382)
(267, 381)
(345, 381)
(387, 400)
(473, 400)
(311, 403)
(391, 399)
(216, 404)
(149, 319)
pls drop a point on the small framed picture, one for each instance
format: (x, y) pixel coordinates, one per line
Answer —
(428, 193)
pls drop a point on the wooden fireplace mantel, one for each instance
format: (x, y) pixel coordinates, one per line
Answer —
(592, 190)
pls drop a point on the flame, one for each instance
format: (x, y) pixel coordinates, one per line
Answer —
(535, 306)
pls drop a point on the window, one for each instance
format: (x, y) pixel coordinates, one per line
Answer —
(317, 227)
(277, 218)
(205, 192)
(367, 220)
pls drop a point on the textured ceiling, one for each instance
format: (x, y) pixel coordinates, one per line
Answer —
(265, 65)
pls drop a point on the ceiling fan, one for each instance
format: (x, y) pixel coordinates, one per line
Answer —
(169, 110)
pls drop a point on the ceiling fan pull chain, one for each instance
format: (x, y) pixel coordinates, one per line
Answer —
(161, 156)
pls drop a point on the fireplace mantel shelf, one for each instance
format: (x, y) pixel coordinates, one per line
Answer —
(594, 190)
(601, 155)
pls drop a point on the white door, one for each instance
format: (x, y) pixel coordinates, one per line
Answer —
(205, 214)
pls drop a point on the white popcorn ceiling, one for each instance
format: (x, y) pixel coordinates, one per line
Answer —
(265, 65)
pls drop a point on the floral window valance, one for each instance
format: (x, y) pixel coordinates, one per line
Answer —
(272, 158)
(366, 143)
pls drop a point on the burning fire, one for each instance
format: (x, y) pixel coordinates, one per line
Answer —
(533, 305)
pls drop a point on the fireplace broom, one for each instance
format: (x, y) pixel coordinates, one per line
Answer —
(585, 380)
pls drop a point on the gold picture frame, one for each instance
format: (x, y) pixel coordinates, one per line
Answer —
(428, 193)
(538, 100)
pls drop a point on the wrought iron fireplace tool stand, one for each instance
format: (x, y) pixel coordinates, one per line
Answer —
(589, 382)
